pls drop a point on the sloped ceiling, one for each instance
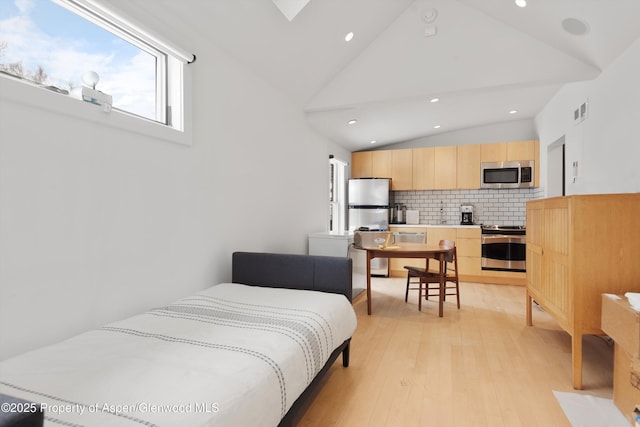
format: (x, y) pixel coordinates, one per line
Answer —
(483, 58)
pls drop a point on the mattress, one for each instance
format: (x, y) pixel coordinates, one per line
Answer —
(231, 355)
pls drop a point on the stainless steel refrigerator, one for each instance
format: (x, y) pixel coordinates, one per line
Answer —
(369, 209)
(369, 203)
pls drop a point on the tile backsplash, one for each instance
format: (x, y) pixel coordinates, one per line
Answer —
(502, 207)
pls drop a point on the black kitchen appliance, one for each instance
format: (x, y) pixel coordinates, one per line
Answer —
(466, 213)
(504, 248)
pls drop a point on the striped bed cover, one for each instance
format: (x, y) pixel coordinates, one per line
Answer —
(231, 355)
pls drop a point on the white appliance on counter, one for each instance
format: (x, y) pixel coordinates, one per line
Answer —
(340, 244)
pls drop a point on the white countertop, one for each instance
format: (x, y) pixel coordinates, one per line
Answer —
(349, 234)
(332, 234)
(433, 226)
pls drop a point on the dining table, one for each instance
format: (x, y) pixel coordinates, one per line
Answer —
(408, 250)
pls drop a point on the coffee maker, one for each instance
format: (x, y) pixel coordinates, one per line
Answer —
(466, 211)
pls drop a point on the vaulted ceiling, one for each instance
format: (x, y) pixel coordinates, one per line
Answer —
(481, 58)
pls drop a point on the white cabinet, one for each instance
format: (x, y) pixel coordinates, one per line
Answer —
(339, 244)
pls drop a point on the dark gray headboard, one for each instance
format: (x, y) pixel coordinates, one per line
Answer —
(317, 273)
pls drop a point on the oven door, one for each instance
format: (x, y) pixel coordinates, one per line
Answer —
(503, 252)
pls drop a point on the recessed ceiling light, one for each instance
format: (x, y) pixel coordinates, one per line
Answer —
(352, 122)
(349, 36)
(436, 127)
(513, 111)
(432, 100)
(575, 26)
(521, 3)
(373, 142)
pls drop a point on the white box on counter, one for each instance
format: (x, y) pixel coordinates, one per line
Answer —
(413, 217)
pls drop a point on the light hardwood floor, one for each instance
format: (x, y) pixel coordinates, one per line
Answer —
(477, 366)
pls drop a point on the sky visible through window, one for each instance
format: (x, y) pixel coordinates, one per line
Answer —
(39, 33)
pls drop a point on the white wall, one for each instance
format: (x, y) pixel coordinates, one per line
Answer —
(99, 223)
(606, 144)
(513, 130)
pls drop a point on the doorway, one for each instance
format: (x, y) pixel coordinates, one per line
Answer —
(556, 178)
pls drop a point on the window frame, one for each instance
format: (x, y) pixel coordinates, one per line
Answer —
(173, 82)
(337, 195)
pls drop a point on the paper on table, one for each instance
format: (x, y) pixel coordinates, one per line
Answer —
(586, 411)
(634, 300)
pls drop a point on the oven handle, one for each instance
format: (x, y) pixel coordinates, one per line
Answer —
(502, 238)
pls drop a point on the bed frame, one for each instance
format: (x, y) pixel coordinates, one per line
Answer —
(316, 273)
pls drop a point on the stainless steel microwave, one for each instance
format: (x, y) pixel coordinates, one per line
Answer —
(517, 174)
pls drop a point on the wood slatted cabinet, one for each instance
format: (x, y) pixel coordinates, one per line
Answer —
(579, 247)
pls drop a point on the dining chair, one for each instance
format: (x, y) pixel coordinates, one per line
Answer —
(431, 279)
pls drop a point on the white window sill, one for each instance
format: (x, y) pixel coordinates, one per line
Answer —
(24, 93)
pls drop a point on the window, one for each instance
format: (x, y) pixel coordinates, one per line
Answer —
(337, 195)
(53, 43)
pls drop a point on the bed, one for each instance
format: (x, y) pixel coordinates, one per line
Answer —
(246, 353)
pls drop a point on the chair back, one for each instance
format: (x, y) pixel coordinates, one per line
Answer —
(451, 255)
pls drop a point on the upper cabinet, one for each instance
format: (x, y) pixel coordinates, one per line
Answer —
(522, 150)
(381, 164)
(424, 161)
(445, 168)
(440, 168)
(512, 151)
(496, 152)
(361, 164)
(402, 169)
(394, 164)
(468, 166)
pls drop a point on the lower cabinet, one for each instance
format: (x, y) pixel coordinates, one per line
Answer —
(396, 265)
(469, 253)
(469, 247)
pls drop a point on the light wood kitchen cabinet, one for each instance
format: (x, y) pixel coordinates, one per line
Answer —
(579, 247)
(424, 161)
(521, 150)
(445, 169)
(381, 164)
(435, 234)
(468, 166)
(402, 169)
(526, 150)
(512, 151)
(469, 244)
(396, 265)
(509, 151)
(495, 152)
(440, 168)
(469, 250)
(361, 164)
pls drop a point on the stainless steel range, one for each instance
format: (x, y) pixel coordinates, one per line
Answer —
(504, 248)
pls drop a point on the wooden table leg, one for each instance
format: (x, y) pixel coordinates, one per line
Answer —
(368, 283)
(528, 303)
(442, 288)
